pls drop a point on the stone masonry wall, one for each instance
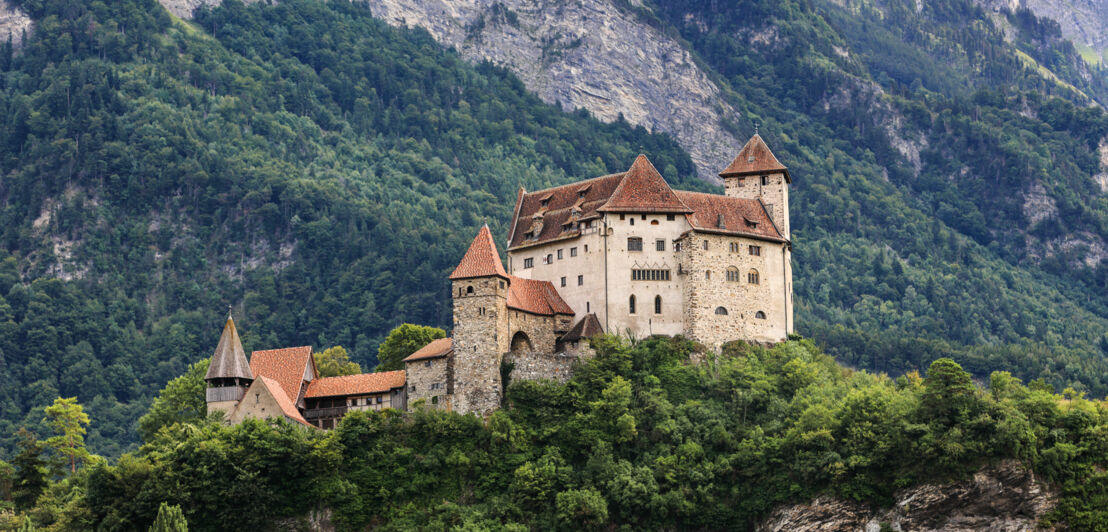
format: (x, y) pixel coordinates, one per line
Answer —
(480, 340)
(540, 361)
(775, 194)
(707, 288)
(422, 375)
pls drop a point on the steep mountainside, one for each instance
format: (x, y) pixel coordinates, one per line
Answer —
(1084, 22)
(13, 23)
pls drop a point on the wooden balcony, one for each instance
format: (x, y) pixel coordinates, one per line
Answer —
(335, 411)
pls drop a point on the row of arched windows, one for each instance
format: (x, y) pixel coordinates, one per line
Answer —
(722, 311)
(733, 275)
(631, 304)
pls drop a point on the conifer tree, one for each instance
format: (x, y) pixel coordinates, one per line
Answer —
(30, 471)
(68, 418)
(170, 519)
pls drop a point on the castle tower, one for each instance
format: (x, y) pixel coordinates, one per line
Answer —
(480, 289)
(757, 174)
(229, 374)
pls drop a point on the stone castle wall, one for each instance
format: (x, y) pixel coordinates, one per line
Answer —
(423, 376)
(774, 194)
(480, 339)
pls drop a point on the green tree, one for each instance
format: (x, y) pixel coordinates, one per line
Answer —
(181, 401)
(7, 479)
(948, 391)
(68, 419)
(30, 470)
(403, 341)
(170, 519)
(335, 362)
(582, 508)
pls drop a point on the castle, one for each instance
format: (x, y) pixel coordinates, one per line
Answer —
(622, 253)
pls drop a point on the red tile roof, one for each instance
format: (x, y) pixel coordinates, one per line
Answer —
(356, 384)
(643, 189)
(435, 349)
(536, 297)
(229, 360)
(481, 259)
(288, 406)
(286, 366)
(755, 158)
(567, 203)
(587, 327)
(723, 214)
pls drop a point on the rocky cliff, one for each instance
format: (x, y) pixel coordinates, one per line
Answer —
(1001, 498)
(184, 8)
(1083, 21)
(587, 54)
(13, 22)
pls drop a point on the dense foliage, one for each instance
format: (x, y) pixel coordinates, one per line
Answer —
(323, 172)
(639, 439)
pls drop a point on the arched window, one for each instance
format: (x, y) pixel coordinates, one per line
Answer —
(760, 315)
(752, 277)
(469, 289)
(657, 304)
(721, 311)
(733, 274)
(632, 304)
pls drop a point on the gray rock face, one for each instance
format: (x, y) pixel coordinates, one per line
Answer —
(1082, 21)
(13, 22)
(184, 8)
(590, 54)
(1001, 498)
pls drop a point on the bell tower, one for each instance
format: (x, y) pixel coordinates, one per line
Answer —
(228, 374)
(757, 174)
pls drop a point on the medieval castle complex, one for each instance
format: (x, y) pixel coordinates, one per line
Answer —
(622, 253)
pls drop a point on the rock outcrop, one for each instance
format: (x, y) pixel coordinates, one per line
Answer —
(586, 54)
(1102, 177)
(13, 22)
(1082, 21)
(184, 8)
(1005, 497)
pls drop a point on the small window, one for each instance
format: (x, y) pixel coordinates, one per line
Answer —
(412, 389)
(621, 217)
(529, 263)
(670, 217)
(563, 282)
(634, 244)
(707, 275)
(379, 400)
(427, 364)
(580, 280)
(752, 277)
(549, 259)
(721, 311)
(657, 304)
(572, 252)
(435, 400)
(632, 221)
(631, 304)
(733, 274)
(501, 284)
(587, 309)
(544, 202)
(760, 315)
(586, 248)
(705, 245)
(676, 246)
(756, 251)
(734, 247)
(469, 289)
(559, 254)
(644, 217)
(660, 245)
(765, 180)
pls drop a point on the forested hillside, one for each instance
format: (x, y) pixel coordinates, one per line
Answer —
(638, 439)
(321, 172)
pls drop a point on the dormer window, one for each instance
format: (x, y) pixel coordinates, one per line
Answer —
(750, 223)
(750, 159)
(544, 203)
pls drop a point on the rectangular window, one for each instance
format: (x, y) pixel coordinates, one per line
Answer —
(529, 263)
(621, 217)
(765, 180)
(734, 247)
(586, 248)
(644, 217)
(572, 252)
(756, 251)
(676, 246)
(563, 282)
(635, 244)
(670, 217)
(559, 254)
(705, 244)
(580, 280)
(427, 364)
(379, 400)
(752, 277)
(650, 275)
(660, 245)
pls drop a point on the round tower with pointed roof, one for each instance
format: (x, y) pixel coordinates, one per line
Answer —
(229, 373)
(757, 174)
(480, 288)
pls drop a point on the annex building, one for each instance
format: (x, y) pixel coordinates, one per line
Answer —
(622, 253)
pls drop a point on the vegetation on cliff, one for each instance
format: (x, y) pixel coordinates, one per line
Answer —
(639, 439)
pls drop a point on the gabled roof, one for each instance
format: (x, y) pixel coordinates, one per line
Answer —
(229, 360)
(735, 216)
(755, 158)
(643, 189)
(481, 259)
(536, 297)
(435, 349)
(288, 406)
(555, 207)
(355, 384)
(586, 327)
(285, 366)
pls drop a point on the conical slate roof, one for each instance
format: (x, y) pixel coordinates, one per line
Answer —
(643, 189)
(755, 158)
(481, 260)
(229, 360)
